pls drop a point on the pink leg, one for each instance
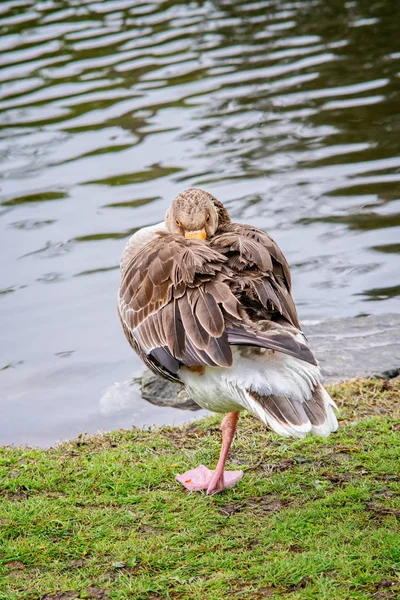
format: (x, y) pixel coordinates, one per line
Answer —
(215, 481)
(219, 480)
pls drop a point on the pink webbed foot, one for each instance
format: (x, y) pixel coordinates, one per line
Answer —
(203, 478)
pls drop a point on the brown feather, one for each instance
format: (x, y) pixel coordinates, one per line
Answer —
(144, 295)
(172, 325)
(315, 407)
(193, 328)
(183, 302)
(286, 410)
(261, 260)
(209, 314)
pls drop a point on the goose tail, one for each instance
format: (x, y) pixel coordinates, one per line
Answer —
(294, 416)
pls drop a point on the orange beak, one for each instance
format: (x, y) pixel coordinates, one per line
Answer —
(201, 234)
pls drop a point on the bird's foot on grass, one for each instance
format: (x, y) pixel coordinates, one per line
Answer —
(203, 478)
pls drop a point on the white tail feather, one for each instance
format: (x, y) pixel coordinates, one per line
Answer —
(284, 377)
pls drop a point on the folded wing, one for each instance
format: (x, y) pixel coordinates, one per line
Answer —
(262, 281)
(185, 302)
(174, 303)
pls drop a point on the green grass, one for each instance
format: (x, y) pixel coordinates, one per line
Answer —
(103, 518)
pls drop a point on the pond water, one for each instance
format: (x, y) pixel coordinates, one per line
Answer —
(289, 112)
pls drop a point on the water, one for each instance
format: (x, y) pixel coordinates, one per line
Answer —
(287, 111)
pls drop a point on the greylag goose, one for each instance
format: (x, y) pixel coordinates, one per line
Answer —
(207, 303)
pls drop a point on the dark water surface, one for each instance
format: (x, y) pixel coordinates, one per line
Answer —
(287, 111)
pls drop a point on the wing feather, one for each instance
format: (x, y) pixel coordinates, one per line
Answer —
(167, 305)
(261, 279)
(209, 314)
(185, 302)
(193, 328)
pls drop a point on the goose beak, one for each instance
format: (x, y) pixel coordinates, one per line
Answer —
(200, 234)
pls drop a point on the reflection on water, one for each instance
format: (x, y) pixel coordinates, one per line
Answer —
(286, 111)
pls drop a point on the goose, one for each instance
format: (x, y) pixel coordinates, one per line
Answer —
(207, 303)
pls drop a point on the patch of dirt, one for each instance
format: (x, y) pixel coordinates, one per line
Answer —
(387, 589)
(283, 465)
(186, 438)
(388, 583)
(252, 544)
(265, 592)
(331, 574)
(231, 509)
(385, 493)
(77, 563)
(388, 477)
(92, 593)
(269, 503)
(300, 585)
(340, 479)
(296, 548)
(148, 530)
(21, 493)
(96, 593)
(382, 510)
(60, 596)
(15, 565)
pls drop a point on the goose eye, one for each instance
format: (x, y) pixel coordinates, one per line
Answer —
(208, 218)
(177, 221)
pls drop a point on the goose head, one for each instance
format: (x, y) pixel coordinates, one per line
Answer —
(195, 214)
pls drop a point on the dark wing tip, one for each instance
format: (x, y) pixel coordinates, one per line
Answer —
(280, 342)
